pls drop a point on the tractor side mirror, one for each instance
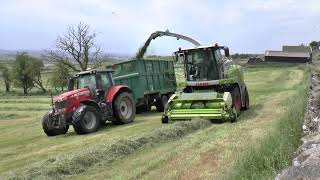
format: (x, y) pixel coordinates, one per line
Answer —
(226, 52)
(70, 84)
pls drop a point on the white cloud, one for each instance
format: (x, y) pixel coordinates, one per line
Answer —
(127, 25)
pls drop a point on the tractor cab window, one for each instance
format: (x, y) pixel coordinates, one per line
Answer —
(105, 83)
(88, 81)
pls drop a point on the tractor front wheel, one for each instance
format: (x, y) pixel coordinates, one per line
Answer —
(86, 119)
(124, 108)
(50, 131)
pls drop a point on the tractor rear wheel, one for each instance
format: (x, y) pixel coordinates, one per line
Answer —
(161, 103)
(86, 120)
(124, 108)
(52, 132)
(236, 102)
(246, 100)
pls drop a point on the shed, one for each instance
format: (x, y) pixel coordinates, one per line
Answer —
(289, 57)
(305, 49)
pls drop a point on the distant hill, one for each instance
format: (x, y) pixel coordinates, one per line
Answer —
(9, 55)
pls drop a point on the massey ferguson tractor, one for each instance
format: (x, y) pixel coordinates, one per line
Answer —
(91, 100)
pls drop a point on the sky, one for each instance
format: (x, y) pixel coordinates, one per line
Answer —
(245, 26)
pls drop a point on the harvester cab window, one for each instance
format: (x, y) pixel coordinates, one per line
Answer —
(200, 65)
(218, 55)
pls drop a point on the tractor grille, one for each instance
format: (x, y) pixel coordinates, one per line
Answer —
(60, 105)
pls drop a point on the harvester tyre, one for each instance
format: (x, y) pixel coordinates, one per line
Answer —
(246, 100)
(124, 109)
(86, 119)
(236, 103)
(165, 120)
(161, 103)
(52, 132)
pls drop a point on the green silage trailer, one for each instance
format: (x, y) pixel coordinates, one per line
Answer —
(152, 81)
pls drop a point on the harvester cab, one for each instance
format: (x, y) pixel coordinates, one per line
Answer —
(91, 100)
(215, 87)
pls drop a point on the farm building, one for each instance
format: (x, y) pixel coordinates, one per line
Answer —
(305, 49)
(290, 54)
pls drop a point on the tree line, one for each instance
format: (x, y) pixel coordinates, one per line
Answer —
(73, 51)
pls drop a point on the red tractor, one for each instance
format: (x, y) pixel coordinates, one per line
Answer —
(91, 100)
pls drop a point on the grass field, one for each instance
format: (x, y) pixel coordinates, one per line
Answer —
(215, 151)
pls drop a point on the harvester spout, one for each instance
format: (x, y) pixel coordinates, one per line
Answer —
(157, 34)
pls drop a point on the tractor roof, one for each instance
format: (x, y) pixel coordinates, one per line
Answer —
(94, 71)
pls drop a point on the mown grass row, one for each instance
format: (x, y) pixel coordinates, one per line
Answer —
(272, 154)
(80, 161)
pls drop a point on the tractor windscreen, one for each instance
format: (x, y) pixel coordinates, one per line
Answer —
(201, 65)
(88, 80)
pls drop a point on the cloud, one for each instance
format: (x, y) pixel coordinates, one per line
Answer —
(123, 25)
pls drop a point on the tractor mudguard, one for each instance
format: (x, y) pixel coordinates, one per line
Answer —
(113, 91)
(91, 103)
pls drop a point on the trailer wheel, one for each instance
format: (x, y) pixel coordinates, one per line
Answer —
(247, 100)
(86, 119)
(52, 132)
(124, 109)
(236, 103)
(161, 103)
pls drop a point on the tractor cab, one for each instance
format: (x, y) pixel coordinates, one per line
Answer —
(204, 63)
(97, 81)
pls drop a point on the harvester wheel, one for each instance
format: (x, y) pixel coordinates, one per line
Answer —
(124, 109)
(86, 119)
(161, 103)
(247, 100)
(236, 102)
(52, 132)
(165, 120)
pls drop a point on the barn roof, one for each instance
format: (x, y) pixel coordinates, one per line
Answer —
(287, 54)
(305, 49)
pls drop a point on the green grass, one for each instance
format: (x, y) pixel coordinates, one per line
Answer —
(209, 153)
(77, 163)
(267, 158)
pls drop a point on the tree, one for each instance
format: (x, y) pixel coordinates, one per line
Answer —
(314, 45)
(26, 72)
(76, 45)
(59, 76)
(37, 65)
(5, 72)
